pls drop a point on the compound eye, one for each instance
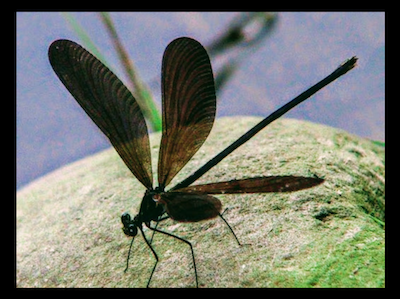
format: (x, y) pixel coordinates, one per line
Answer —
(130, 230)
(125, 218)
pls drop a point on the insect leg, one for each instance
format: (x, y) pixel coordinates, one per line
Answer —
(230, 228)
(183, 240)
(158, 221)
(129, 254)
(154, 253)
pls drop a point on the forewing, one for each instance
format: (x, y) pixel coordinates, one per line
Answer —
(190, 207)
(257, 185)
(188, 104)
(107, 102)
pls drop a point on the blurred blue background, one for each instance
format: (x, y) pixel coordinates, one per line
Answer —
(303, 48)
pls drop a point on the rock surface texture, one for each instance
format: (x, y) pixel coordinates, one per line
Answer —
(333, 235)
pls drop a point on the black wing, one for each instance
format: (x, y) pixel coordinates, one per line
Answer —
(107, 102)
(190, 207)
(256, 185)
(341, 70)
(188, 104)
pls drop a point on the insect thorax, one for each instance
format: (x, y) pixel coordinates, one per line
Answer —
(150, 209)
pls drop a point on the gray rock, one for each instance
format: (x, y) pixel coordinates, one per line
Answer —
(69, 231)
